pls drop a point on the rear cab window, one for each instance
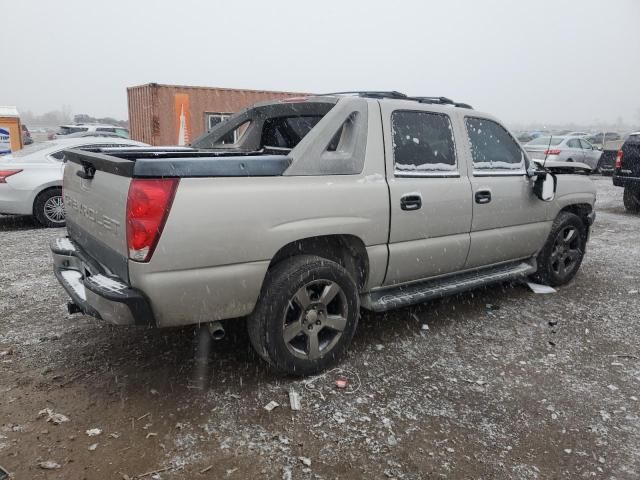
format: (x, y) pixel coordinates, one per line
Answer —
(493, 149)
(423, 144)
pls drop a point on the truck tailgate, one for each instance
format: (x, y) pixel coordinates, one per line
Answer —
(95, 198)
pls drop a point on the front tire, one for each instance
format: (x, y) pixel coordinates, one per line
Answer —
(48, 208)
(562, 254)
(631, 200)
(306, 316)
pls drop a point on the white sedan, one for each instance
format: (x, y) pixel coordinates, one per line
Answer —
(31, 179)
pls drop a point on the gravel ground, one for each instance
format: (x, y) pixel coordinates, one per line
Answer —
(498, 383)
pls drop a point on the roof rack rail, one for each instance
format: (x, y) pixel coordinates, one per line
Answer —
(441, 101)
(401, 96)
(370, 94)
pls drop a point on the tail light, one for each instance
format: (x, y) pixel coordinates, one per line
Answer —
(552, 152)
(619, 158)
(148, 205)
(4, 174)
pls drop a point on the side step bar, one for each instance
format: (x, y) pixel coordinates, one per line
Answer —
(404, 295)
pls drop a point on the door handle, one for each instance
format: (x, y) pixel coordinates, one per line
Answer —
(483, 196)
(411, 201)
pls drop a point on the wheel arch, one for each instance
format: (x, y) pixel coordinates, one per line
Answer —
(582, 210)
(346, 250)
(43, 189)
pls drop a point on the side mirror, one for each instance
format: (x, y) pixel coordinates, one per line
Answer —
(545, 186)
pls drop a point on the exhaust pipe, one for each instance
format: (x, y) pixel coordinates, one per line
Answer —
(216, 330)
(73, 308)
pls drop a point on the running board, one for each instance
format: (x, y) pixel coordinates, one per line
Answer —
(405, 295)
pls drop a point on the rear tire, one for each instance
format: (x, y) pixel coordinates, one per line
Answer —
(306, 315)
(562, 254)
(48, 208)
(631, 200)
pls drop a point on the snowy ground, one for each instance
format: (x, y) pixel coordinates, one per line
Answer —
(503, 384)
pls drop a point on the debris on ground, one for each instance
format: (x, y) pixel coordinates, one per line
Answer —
(537, 288)
(341, 382)
(93, 432)
(271, 405)
(92, 447)
(52, 417)
(294, 399)
(9, 351)
(49, 465)
(305, 460)
(424, 327)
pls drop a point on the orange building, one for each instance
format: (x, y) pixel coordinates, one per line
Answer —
(176, 115)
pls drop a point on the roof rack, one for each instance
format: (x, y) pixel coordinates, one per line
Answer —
(401, 96)
(370, 94)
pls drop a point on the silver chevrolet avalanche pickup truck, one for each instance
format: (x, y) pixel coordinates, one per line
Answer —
(298, 213)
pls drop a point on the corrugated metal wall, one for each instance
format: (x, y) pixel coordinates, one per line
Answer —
(152, 116)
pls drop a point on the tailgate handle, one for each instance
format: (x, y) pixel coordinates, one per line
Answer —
(88, 171)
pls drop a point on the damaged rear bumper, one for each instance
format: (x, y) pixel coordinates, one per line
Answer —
(94, 291)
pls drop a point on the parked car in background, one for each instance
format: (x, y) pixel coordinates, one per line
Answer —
(64, 130)
(92, 134)
(26, 136)
(627, 172)
(576, 134)
(601, 138)
(31, 178)
(564, 149)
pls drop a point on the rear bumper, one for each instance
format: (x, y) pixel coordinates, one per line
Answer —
(620, 181)
(94, 291)
(15, 202)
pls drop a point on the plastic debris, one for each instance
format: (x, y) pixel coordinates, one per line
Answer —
(92, 432)
(379, 347)
(92, 447)
(271, 405)
(49, 465)
(294, 399)
(305, 460)
(425, 327)
(537, 288)
(341, 382)
(55, 418)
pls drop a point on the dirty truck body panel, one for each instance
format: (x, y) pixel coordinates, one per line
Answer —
(343, 168)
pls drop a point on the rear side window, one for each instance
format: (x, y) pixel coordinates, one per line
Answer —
(492, 147)
(573, 143)
(586, 145)
(422, 142)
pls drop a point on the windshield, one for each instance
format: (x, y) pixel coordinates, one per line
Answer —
(68, 130)
(546, 141)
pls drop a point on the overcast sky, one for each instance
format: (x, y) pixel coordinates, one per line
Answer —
(536, 61)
